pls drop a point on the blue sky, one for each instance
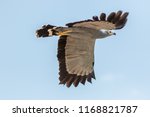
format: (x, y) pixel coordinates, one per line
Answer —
(29, 67)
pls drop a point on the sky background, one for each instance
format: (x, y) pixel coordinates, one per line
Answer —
(29, 67)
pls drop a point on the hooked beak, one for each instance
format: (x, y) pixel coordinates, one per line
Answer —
(114, 33)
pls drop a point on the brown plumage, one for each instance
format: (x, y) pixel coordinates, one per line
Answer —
(64, 76)
(114, 20)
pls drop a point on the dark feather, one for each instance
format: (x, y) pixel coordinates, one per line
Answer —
(73, 23)
(70, 81)
(61, 78)
(62, 74)
(43, 32)
(122, 21)
(89, 78)
(95, 18)
(120, 24)
(103, 17)
(93, 75)
(124, 16)
(48, 26)
(76, 81)
(83, 80)
(111, 17)
(117, 16)
(64, 80)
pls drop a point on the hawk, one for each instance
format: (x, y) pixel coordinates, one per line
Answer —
(76, 45)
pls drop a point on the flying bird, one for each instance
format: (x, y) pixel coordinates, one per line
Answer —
(76, 45)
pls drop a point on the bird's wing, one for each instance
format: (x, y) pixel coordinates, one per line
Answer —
(76, 60)
(113, 21)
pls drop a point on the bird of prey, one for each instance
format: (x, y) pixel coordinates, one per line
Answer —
(76, 45)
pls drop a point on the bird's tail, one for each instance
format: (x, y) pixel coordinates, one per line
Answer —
(46, 31)
(50, 30)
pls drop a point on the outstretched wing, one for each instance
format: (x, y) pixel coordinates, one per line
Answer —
(113, 21)
(76, 60)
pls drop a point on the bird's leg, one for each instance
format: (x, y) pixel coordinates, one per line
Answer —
(62, 31)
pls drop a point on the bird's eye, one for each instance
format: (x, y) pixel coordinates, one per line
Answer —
(109, 31)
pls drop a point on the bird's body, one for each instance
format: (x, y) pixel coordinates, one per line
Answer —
(76, 45)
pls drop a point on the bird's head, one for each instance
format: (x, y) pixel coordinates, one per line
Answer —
(107, 33)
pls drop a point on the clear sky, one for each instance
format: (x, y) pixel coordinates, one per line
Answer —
(29, 67)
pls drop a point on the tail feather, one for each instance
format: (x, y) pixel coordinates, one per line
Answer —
(46, 31)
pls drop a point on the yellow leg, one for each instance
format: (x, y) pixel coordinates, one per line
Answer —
(64, 33)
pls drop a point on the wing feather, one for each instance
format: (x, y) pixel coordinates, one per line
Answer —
(113, 21)
(81, 53)
(111, 16)
(76, 57)
(117, 16)
(103, 17)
